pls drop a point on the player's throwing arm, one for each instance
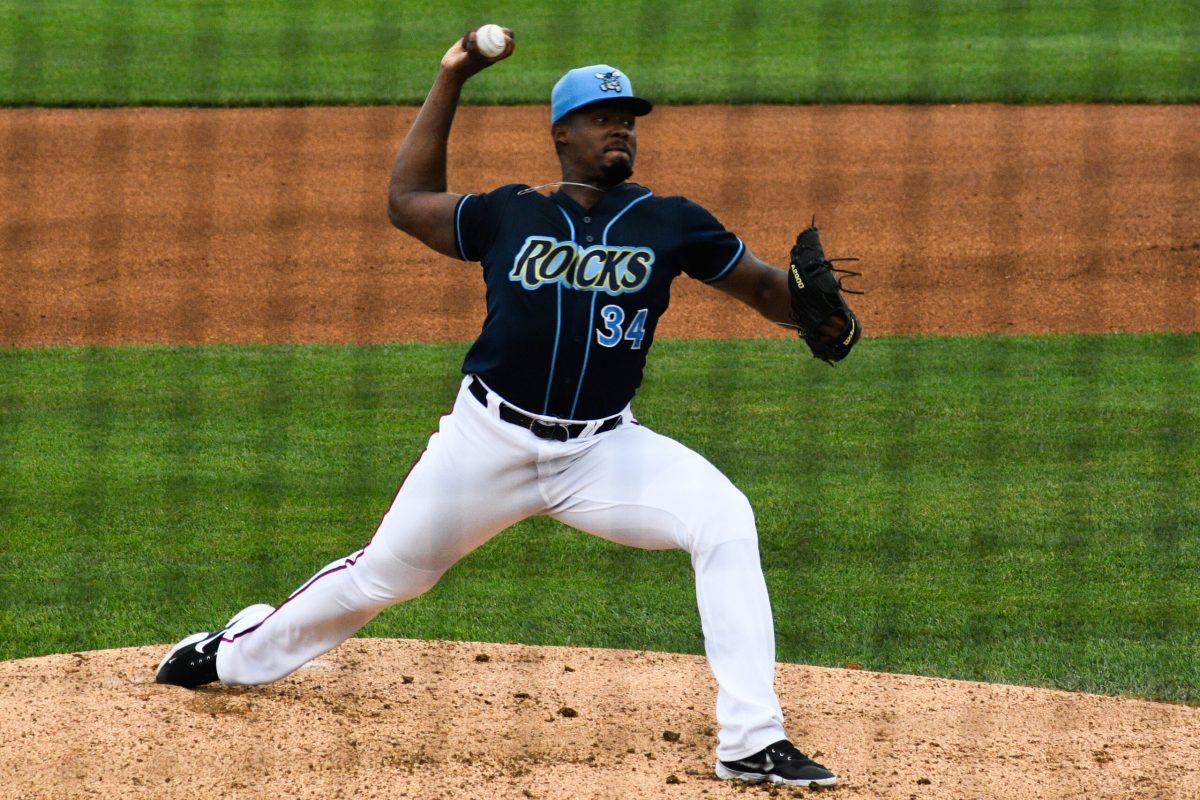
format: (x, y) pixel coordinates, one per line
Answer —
(418, 202)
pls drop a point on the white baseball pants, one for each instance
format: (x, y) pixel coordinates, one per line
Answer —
(479, 475)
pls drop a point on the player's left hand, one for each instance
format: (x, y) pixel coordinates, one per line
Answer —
(823, 319)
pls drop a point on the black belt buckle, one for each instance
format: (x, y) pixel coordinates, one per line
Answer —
(556, 431)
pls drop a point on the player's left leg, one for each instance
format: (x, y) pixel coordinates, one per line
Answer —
(635, 487)
(638, 488)
(477, 476)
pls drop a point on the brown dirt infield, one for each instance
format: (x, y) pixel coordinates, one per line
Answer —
(90, 725)
(178, 225)
(144, 225)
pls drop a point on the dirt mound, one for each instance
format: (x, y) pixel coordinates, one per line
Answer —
(387, 718)
(266, 225)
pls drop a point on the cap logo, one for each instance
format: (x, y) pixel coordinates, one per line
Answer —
(609, 82)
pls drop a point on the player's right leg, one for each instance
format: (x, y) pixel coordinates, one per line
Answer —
(473, 480)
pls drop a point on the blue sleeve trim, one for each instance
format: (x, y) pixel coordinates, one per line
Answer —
(458, 243)
(732, 262)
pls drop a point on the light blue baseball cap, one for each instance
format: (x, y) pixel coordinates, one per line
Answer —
(595, 84)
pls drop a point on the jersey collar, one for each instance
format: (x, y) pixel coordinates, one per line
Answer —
(610, 201)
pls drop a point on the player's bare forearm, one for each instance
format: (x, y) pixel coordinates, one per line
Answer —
(760, 286)
(765, 289)
(420, 165)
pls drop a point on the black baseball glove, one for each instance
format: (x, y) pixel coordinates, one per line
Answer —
(823, 320)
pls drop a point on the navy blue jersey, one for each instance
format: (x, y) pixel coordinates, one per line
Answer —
(574, 294)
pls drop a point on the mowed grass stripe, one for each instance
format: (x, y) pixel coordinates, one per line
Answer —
(1065, 555)
(781, 51)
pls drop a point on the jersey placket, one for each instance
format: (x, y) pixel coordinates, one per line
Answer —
(587, 232)
(576, 319)
(558, 292)
(566, 359)
(592, 302)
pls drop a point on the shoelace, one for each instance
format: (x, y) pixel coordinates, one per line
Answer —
(788, 753)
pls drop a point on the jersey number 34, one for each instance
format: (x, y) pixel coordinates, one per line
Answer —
(614, 329)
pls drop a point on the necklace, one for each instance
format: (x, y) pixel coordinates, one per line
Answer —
(560, 183)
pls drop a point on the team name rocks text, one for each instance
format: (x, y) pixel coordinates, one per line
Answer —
(601, 268)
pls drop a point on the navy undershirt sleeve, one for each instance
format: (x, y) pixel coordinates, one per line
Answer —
(477, 218)
(707, 250)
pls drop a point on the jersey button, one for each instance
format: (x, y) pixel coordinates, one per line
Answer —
(589, 238)
(587, 219)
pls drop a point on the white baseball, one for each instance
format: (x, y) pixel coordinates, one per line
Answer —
(490, 40)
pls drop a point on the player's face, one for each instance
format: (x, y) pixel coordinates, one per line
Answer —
(602, 143)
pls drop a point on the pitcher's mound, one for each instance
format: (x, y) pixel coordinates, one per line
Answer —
(414, 719)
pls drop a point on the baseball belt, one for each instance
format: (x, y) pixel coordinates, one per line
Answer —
(555, 431)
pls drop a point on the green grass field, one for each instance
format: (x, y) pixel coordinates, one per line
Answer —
(1024, 510)
(1013, 509)
(74, 52)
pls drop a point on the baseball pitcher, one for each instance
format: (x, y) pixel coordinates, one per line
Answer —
(576, 282)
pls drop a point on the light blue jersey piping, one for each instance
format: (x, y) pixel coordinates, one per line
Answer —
(557, 324)
(592, 310)
(736, 256)
(458, 225)
(613, 221)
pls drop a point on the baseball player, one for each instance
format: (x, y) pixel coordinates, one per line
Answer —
(576, 281)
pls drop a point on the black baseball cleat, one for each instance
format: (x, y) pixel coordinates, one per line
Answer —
(778, 763)
(193, 662)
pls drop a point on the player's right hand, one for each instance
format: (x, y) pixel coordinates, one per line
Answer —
(464, 58)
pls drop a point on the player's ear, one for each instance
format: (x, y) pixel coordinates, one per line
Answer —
(560, 133)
